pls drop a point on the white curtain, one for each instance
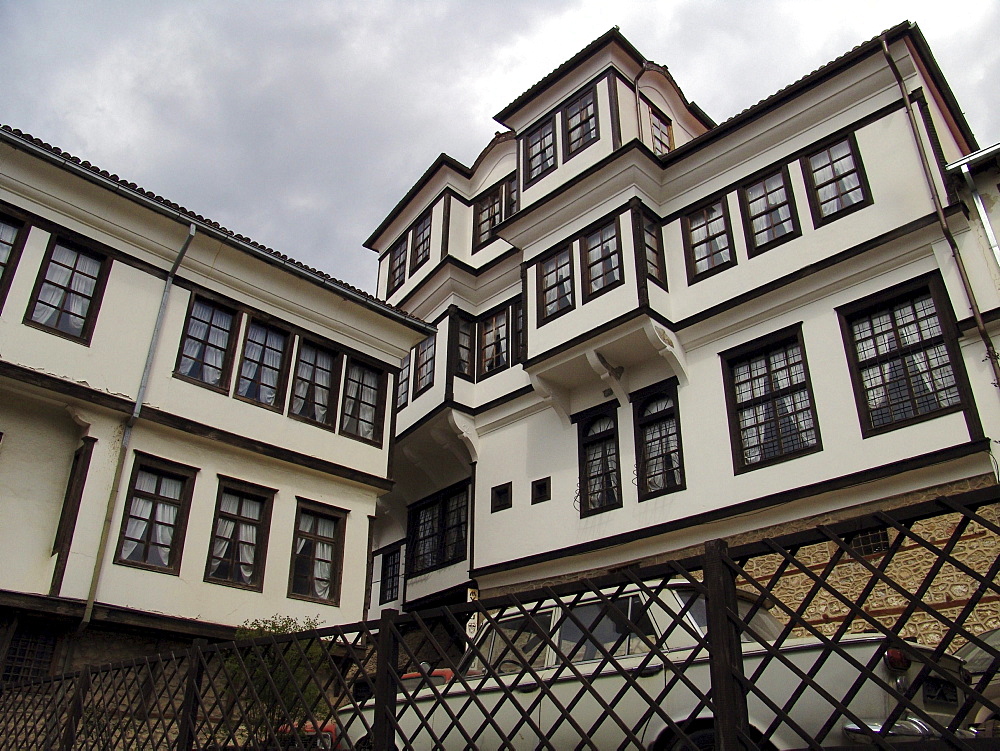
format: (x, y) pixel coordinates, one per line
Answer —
(224, 527)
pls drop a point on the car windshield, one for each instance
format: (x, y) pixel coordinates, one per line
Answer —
(977, 659)
(762, 622)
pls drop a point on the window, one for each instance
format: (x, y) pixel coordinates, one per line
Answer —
(239, 538)
(836, 180)
(708, 242)
(901, 354)
(602, 260)
(555, 285)
(492, 208)
(421, 242)
(314, 389)
(871, 542)
(403, 384)
(207, 347)
(579, 123)
(397, 267)
(29, 652)
(317, 553)
(501, 497)
(656, 267)
(600, 478)
(493, 342)
(436, 531)
(541, 490)
(771, 406)
(661, 132)
(518, 343)
(768, 212)
(11, 240)
(362, 412)
(423, 366)
(262, 371)
(658, 441)
(540, 151)
(152, 534)
(68, 292)
(389, 588)
(464, 346)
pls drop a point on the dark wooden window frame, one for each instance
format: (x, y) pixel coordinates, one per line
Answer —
(752, 248)
(162, 467)
(378, 426)
(814, 205)
(584, 420)
(585, 267)
(336, 375)
(463, 326)
(230, 352)
(281, 387)
(540, 290)
(21, 230)
(655, 113)
(421, 359)
(949, 336)
(644, 218)
(396, 261)
(547, 123)
(96, 296)
(541, 490)
(693, 275)
(392, 562)
(762, 345)
(440, 498)
(337, 562)
(420, 241)
(403, 383)
(502, 194)
(594, 135)
(266, 497)
(501, 497)
(640, 400)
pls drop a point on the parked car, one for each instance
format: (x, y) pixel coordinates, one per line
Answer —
(978, 662)
(511, 687)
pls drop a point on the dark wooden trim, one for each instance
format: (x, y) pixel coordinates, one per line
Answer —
(260, 447)
(470, 531)
(281, 388)
(917, 95)
(548, 120)
(867, 199)
(762, 345)
(540, 318)
(63, 542)
(576, 340)
(586, 295)
(7, 276)
(441, 498)
(450, 596)
(446, 225)
(458, 265)
(142, 460)
(337, 574)
(892, 469)
(336, 379)
(427, 214)
(378, 429)
(583, 420)
(266, 496)
(237, 312)
(639, 399)
(639, 252)
(415, 367)
(66, 388)
(87, 248)
(611, 81)
(465, 409)
(753, 249)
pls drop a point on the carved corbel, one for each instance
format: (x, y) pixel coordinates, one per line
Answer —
(551, 396)
(611, 375)
(465, 428)
(670, 350)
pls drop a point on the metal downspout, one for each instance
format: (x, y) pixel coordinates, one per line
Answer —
(127, 431)
(991, 353)
(984, 218)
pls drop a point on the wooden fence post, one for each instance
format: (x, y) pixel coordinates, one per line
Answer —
(726, 654)
(383, 730)
(75, 713)
(189, 704)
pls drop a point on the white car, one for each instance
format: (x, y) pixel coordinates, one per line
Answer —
(512, 690)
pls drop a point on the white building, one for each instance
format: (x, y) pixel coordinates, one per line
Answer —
(653, 330)
(195, 428)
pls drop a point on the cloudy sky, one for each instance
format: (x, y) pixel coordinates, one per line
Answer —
(300, 123)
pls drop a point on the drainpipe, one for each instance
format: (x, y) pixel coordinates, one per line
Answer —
(991, 353)
(130, 421)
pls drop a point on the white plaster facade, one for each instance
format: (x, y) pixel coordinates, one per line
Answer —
(676, 329)
(71, 555)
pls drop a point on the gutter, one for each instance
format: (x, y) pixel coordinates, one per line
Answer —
(964, 166)
(205, 227)
(129, 423)
(991, 353)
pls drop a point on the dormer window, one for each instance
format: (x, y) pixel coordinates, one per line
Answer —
(397, 267)
(540, 150)
(660, 131)
(421, 242)
(579, 122)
